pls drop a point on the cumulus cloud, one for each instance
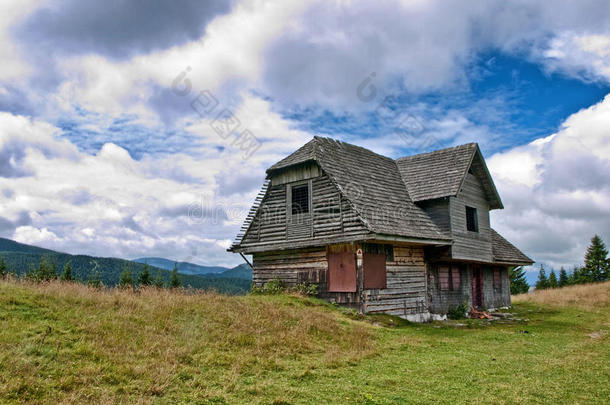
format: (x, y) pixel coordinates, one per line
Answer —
(556, 189)
(108, 203)
(415, 45)
(580, 55)
(120, 28)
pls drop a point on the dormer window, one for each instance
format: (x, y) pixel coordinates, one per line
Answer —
(472, 222)
(300, 199)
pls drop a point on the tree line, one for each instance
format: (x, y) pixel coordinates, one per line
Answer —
(47, 270)
(596, 269)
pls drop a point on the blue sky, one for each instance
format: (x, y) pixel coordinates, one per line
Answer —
(105, 152)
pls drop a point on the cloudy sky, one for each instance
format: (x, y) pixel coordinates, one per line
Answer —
(110, 143)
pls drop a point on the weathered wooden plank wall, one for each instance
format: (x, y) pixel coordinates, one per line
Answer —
(495, 297)
(470, 245)
(441, 301)
(331, 216)
(406, 285)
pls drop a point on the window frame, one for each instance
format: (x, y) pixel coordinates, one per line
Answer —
(454, 273)
(472, 219)
(289, 196)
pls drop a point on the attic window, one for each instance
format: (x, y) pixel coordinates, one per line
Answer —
(472, 223)
(300, 199)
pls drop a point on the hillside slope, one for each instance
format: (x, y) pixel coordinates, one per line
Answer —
(21, 258)
(241, 271)
(64, 343)
(183, 267)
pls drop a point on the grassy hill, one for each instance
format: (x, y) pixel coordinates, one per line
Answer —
(21, 258)
(64, 343)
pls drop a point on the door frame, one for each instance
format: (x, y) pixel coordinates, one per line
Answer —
(477, 286)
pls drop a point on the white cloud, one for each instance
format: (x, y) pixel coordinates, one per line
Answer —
(230, 50)
(556, 190)
(13, 66)
(113, 205)
(580, 55)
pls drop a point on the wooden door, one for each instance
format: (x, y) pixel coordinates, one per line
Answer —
(342, 272)
(477, 286)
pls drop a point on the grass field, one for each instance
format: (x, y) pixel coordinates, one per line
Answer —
(66, 343)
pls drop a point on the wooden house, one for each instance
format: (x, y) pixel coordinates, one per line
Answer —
(408, 237)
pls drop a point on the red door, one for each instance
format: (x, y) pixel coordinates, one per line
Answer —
(477, 286)
(342, 272)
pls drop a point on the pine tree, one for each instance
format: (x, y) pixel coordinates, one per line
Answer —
(52, 275)
(174, 281)
(542, 282)
(144, 277)
(66, 275)
(563, 277)
(596, 261)
(126, 278)
(576, 277)
(44, 271)
(158, 282)
(553, 280)
(94, 279)
(518, 282)
(3, 268)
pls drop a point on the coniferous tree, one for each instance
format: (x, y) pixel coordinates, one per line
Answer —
(94, 279)
(126, 278)
(563, 277)
(518, 282)
(158, 282)
(543, 281)
(3, 268)
(174, 281)
(144, 277)
(553, 280)
(46, 270)
(52, 268)
(596, 261)
(575, 277)
(66, 274)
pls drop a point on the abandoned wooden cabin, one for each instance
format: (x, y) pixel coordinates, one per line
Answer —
(408, 237)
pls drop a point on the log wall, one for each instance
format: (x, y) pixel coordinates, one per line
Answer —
(406, 285)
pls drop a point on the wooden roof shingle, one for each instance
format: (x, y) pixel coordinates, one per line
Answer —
(441, 173)
(372, 184)
(505, 252)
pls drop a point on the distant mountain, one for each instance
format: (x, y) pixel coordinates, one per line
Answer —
(21, 259)
(183, 267)
(242, 271)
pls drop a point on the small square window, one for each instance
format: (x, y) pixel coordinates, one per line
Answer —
(472, 223)
(300, 200)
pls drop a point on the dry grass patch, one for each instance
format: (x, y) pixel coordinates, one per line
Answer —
(58, 340)
(589, 297)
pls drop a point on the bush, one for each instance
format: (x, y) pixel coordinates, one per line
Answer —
(306, 289)
(458, 312)
(274, 286)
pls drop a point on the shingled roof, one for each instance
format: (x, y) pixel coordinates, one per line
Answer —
(505, 252)
(441, 173)
(372, 184)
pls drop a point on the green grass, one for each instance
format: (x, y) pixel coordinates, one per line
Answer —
(63, 343)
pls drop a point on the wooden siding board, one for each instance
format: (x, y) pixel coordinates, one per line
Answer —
(468, 245)
(406, 287)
